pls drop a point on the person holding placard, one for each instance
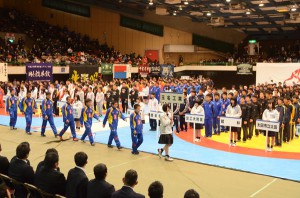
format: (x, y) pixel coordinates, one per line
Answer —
(234, 111)
(153, 106)
(198, 110)
(166, 137)
(77, 106)
(270, 114)
(28, 107)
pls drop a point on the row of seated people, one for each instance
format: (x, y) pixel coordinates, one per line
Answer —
(21, 181)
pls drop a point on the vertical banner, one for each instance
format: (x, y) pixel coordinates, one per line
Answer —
(154, 69)
(122, 71)
(83, 72)
(106, 69)
(3, 72)
(153, 55)
(167, 71)
(143, 70)
(39, 71)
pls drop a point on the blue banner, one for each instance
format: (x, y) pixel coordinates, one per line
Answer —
(39, 72)
(167, 71)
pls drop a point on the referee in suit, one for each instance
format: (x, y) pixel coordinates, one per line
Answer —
(130, 181)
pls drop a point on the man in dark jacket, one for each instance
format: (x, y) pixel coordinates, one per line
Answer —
(4, 164)
(42, 163)
(245, 119)
(256, 112)
(282, 110)
(48, 178)
(77, 180)
(250, 121)
(124, 97)
(130, 181)
(98, 187)
(20, 169)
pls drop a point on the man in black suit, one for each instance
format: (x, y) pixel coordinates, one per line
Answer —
(191, 194)
(42, 163)
(20, 169)
(77, 180)
(48, 178)
(98, 187)
(156, 190)
(130, 181)
(4, 164)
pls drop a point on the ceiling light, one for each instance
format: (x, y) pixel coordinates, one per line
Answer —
(186, 2)
(150, 2)
(293, 9)
(248, 12)
(180, 7)
(261, 4)
(227, 1)
(174, 13)
(208, 14)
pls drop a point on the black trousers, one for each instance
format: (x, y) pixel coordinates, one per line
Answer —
(278, 137)
(176, 122)
(55, 109)
(183, 125)
(250, 129)
(245, 132)
(124, 105)
(287, 132)
(153, 124)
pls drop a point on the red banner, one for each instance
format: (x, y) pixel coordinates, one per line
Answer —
(152, 55)
(143, 70)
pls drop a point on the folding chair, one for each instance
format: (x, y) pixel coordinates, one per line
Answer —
(34, 192)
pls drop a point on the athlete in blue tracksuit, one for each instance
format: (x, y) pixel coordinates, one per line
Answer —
(157, 92)
(12, 109)
(217, 113)
(225, 102)
(208, 111)
(112, 117)
(136, 126)
(47, 112)
(27, 107)
(87, 116)
(68, 119)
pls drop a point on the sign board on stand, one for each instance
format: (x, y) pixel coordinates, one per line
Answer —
(230, 122)
(195, 119)
(155, 115)
(267, 126)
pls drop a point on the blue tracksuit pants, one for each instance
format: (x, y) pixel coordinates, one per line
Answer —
(51, 122)
(88, 132)
(216, 125)
(28, 118)
(137, 140)
(13, 118)
(66, 126)
(114, 136)
(208, 127)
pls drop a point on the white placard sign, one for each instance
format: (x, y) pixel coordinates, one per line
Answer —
(170, 97)
(194, 118)
(230, 121)
(298, 129)
(60, 104)
(39, 102)
(155, 115)
(3, 72)
(77, 112)
(267, 125)
(130, 111)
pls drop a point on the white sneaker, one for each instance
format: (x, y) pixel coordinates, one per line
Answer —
(271, 149)
(196, 140)
(169, 159)
(234, 144)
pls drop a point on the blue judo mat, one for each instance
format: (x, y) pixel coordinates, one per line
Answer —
(281, 168)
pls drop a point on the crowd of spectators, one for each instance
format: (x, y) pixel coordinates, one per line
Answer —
(50, 181)
(54, 44)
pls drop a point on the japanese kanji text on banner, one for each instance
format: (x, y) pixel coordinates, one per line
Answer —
(39, 71)
(3, 72)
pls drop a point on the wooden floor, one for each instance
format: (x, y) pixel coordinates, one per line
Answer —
(177, 176)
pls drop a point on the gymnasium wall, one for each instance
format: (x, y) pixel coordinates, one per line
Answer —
(104, 22)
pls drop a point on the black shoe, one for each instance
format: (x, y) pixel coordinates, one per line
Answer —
(14, 128)
(110, 146)
(43, 135)
(136, 153)
(56, 135)
(120, 148)
(28, 133)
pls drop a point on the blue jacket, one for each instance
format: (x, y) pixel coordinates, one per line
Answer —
(11, 103)
(217, 108)
(87, 116)
(27, 105)
(112, 117)
(225, 104)
(157, 93)
(67, 113)
(178, 89)
(136, 123)
(197, 88)
(47, 108)
(152, 89)
(208, 109)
